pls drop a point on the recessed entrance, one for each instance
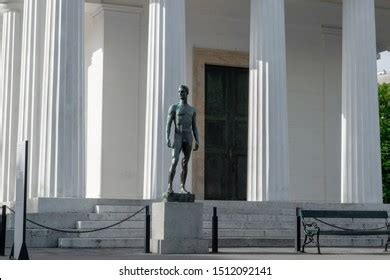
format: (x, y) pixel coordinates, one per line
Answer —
(226, 132)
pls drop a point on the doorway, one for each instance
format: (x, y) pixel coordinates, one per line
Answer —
(226, 132)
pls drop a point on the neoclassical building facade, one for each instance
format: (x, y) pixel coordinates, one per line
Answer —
(285, 92)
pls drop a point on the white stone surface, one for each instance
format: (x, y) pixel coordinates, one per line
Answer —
(62, 158)
(177, 220)
(9, 96)
(31, 86)
(361, 180)
(166, 71)
(268, 176)
(177, 228)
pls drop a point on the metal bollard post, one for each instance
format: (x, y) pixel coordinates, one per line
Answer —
(214, 240)
(298, 229)
(3, 229)
(147, 230)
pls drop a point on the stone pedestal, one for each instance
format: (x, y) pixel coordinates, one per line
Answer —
(177, 228)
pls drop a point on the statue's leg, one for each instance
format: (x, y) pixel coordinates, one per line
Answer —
(187, 148)
(172, 170)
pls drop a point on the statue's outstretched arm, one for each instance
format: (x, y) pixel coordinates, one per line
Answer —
(170, 119)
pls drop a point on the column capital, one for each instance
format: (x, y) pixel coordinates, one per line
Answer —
(11, 6)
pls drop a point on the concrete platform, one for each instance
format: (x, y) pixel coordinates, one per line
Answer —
(225, 254)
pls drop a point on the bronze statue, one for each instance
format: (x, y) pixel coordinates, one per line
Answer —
(184, 118)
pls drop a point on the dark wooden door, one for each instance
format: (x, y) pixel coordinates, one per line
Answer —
(226, 132)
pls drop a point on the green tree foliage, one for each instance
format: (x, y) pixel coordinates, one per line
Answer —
(384, 112)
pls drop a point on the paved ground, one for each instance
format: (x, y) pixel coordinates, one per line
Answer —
(225, 254)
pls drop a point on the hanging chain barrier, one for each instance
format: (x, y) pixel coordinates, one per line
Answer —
(83, 231)
(348, 229)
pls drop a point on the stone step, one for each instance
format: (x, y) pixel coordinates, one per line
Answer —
(113, 217)
(288, 242)
(234, 217)
(235, 225)
(101, 224)
(139, 242)
(54, 220)
(287, 205)
(140, 233)
(207, 210)
(254, 242)
(241, 207)
(223, 242)
(251, 233)
(250, 225)
(69, 220)
(101, 243)
(255, 211)
(118, 209)
(115, 233)
(121, 214)
(250, 217)
(38, 238)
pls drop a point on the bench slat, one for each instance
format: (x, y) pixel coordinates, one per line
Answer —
(342, 214)
(368, 232)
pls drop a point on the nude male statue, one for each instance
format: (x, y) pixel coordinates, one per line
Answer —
(184, 118)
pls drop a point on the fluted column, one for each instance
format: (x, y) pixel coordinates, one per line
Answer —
(31, 85)
(10, 78)
(166, 71)
(268, 146)
(360, 160)
(61, 160)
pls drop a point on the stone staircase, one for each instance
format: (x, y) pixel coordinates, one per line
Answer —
(129, 234)
(241, 224)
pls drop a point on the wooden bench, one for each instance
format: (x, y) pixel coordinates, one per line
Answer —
(312, 230)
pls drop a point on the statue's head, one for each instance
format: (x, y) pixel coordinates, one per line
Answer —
(183, 92)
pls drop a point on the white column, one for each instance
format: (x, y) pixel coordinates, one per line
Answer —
(61, 160)
(113, 98)
(1, 106)
(31, 85)
(360, 160)
(166, 71)
(268, 146)
(10, 78)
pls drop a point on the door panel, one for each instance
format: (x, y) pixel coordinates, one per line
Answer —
(226, 132)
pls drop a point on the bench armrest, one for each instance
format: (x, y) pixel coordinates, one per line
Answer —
(310, 228)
